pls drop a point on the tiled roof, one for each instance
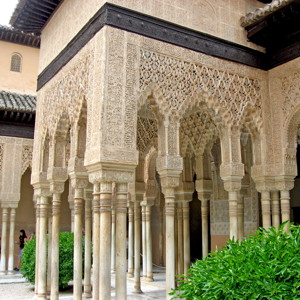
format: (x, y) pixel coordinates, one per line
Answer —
(10, 34)
(32, 15)
(17, 102)
(260, 13)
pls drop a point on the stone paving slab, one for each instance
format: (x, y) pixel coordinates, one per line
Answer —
(15, 287)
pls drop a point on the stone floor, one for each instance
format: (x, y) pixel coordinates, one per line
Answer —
(15, 287)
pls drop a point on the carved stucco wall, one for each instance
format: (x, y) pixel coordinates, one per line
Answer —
(284, 115)
(218, 18)
(15, 159)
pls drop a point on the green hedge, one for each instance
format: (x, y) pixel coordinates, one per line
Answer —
(263, 266)
(66, 253)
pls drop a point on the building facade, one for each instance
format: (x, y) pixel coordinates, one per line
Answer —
(147, 107)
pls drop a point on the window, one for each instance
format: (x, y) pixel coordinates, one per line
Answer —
(16, 62)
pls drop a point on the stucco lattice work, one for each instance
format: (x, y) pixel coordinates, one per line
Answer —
(180, 81)
(146, 133)
(66, 96)
(291, 92)
(26, 158)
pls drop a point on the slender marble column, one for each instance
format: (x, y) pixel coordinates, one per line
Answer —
(49, 254)
(96, 240)
(77, 277)
(144, 247)
(148, 242)
(37, 234)
(285, 206)
(42, 266)
(137, 247)
(179, 238)
(275, 208)
(265, 209)
(87, 287)
(121, 215)
(11, 241)
(186, 236)
(3, 241)
(170, 241)
(130, 240)
(113, 239)
(55, 246)
(233, 198)
(105, 240)
(204, 221)
(240, 216)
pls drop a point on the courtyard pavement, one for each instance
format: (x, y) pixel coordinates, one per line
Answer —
(15, 287)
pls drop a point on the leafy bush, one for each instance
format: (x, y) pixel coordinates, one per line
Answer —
(66, 243)
(264, 266)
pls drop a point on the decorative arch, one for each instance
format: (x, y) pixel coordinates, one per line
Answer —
(26, 158)
(290, 134)
(16, 62)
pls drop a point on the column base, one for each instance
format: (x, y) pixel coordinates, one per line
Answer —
(130, 275)
(3, 273)
(10, 272)
(41, 297)
(87, 295)
(148, 279)
(137, 291)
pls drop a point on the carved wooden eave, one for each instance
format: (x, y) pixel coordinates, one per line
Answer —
(12, 35)
(32, 15)
(276, 27)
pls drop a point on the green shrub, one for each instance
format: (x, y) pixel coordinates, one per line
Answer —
(263, 266)
(66, 242)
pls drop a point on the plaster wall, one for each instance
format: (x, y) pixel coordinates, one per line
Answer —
(219, 18)
(16, 158)
(23, 82)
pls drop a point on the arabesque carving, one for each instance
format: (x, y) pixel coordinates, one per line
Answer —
(26, 158)
(66, 96)
(176, 84)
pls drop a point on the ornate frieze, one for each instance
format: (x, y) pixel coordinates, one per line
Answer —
(176, 82)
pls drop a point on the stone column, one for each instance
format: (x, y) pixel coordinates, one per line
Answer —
(3, 241)
(148, 234)
(204, 222)
(113, 239)
(11, 241)
(55, 246)
(240, 216)
(266, 209)
(284, 184)
(179, 238)
(96, 240)
(121, 215)
(130, 240)
(285, 205)
(37, 234)
(144, 248)
(77, 276)
(42, 249)
(186, 237)
(137, 247)
(105, 240)
(170, 239)
(275, 209)
(87, 287)
(49, 254)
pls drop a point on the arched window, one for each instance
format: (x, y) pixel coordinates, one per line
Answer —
(16, 62)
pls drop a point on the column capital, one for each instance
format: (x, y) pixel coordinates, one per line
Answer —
(233, 184)
(231, 170)
(57, 174)
(79, 180)
(284, 182)
(105, 172)
(264, 183)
